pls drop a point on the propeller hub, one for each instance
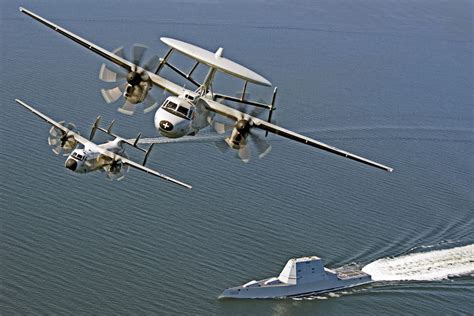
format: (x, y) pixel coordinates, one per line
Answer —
(243, 127)
(134, 78)
(116, 166)
(71, 164)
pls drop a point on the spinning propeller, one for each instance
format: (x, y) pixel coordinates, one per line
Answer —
(242, 135)
(61, 141)
(115, 169)
(134, 85)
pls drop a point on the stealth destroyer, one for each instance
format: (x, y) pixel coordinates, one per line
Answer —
(300, 277)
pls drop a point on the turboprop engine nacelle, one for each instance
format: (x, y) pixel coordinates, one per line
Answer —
(137, 87)
(238, 138)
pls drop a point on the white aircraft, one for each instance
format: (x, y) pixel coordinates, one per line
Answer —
(187, 111)
(109, 157)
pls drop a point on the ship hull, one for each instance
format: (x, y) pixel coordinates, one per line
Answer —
(305, 276)
(290, 291)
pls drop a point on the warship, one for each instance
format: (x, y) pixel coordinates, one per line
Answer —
(300, 277)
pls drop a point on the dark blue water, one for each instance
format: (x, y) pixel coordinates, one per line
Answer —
(391, 81)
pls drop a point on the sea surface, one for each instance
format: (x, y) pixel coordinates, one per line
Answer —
(388, 80)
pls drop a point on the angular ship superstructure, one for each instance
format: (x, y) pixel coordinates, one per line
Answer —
(300, 277)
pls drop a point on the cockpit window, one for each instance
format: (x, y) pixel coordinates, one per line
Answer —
(78, 156)
(183, 110)
(175, 109)
(170, 106)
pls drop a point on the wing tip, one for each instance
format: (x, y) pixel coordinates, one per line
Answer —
(20, 102)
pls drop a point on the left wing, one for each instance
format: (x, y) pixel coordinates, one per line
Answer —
(227, 111)
(99, 149)
(133, 164)
(157, 80)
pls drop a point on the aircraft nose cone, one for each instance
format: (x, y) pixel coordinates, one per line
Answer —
(165, 125)
(71, 164)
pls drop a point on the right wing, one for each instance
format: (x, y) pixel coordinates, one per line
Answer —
(101, 150)
(235, 114)
(157, 80)
(275, 129)
(184, 139)
(56, 124)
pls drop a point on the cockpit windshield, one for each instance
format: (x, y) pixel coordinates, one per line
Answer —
(78, 156)
(175, 109)
(170, 106)
(183, 110)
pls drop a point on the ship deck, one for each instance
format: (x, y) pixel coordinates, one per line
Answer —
(351, 274)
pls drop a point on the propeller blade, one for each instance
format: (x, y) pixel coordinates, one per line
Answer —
(244, 153)
(108, 75)
(152, 64)
(116, 173)
(115, 169)
(57, 150)
(120, 52)
(138, 51)
(221, 128)
(70, 126)
(109, 175)
(123, 171)
(54, 132)
(263, 147)
(127, 108)
(242, 107)
(60, 141)
(149, 104)
(53, 141)
(135, 77)
(222, 146)
(111, 95)
(256, 111)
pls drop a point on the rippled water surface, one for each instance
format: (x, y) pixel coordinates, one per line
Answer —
(388, 80)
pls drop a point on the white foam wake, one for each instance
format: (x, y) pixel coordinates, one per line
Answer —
(425, 266)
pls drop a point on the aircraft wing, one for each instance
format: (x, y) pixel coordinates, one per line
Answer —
(129, 66)
(138, 166)
(101, 150)
(49, 120)
(184, 139)
(227, 111)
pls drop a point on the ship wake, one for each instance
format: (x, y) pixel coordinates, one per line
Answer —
(424, 266)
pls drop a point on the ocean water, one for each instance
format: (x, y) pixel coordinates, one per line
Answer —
(388, 80)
